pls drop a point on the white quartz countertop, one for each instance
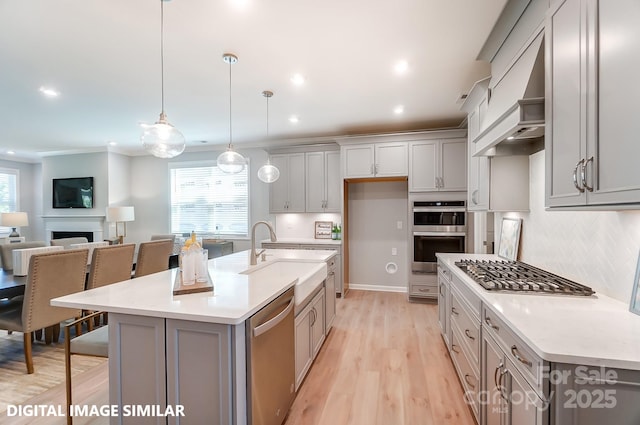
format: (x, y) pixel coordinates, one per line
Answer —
(595, 330)
(237, 295)
(305, 241)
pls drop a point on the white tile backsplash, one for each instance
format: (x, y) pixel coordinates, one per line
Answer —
(596, 248)
(301, 225)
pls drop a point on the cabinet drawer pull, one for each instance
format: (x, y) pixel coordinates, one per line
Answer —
(516, 354)
(468, 334)
(424, 290)
(500, 386)
(454, 348)
(487, 320)
(575, 175)
(454, 311)
(583, 175)
(466, 378)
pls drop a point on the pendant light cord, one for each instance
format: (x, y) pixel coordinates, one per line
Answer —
(162, 56)
(230, 113)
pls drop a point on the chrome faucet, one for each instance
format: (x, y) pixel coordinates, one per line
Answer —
(254, 254)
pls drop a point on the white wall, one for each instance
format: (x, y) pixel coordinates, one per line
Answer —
(374, 210)
(30, 195)
(596, 248)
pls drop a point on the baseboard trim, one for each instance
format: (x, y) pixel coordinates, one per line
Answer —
(382, 288)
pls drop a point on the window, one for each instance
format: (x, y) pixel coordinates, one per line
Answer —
(208, 201)
(8, 193)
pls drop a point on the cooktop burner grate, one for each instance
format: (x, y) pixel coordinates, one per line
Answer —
(494, 275)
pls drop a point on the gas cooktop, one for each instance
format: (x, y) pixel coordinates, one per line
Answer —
(515, 276)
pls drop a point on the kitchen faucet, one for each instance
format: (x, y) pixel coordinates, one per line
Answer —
(254, 254)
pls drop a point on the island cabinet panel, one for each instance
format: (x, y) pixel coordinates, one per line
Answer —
(199, 371)
(137, 365)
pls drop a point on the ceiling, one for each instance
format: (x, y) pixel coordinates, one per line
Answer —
(103, 56)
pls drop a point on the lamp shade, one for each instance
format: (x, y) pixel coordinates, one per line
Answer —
(119, 214)
(14, 219)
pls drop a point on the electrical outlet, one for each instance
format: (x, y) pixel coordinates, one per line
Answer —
(394, 251)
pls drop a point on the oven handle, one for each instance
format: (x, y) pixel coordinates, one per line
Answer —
(431, 209)
(439, 234)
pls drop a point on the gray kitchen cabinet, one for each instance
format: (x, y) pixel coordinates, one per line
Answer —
(309, 335)
(438, 165)
(330, 289)
(512, 377)
(478, 166)
(590, 142)
(388, 159)
(594, 395)
(207, 345)
(444, 287)
(287, 194)
(323, 181)
(157, 361)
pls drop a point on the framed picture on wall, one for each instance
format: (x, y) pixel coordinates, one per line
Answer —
(323, 229)
(509, 238)
(634, 306)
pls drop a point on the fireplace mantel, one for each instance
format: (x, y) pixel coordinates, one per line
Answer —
(78, 223)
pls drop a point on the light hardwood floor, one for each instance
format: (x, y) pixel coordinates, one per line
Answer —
(384, 362)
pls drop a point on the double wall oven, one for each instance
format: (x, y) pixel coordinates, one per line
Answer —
(436, 226)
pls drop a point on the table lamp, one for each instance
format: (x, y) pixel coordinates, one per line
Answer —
(120, 215)
(13, 220)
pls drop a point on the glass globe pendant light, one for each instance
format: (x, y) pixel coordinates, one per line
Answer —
(268, 173)
(162, 139)
(230, 161)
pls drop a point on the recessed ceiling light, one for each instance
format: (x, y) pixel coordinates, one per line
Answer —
(510, 138)
(49, 92)
(398, 109)
(294, 119)
(112, 143)
(297, 79)
(11, 152)
(401, 67)
(240, 4)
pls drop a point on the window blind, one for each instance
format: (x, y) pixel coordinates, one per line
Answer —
(208, 201)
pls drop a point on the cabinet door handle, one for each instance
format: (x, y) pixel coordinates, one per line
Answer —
(500, 386)
(454, 348)
(516, 354)
(495, 374)
(583, 175)
(468, 334)
(441, 182)
(375, 168)
(313, 320)
(487, 320)
(474, 197)
(372, 169)
(575, 176)
(466, 378)
(454, 311)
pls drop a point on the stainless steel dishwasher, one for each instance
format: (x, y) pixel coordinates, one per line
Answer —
(271, 362)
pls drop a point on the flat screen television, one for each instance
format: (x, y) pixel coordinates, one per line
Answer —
(75, 192)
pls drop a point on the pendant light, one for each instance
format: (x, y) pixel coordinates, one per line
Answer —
(268, 173)
(230, 161)
(162, 139)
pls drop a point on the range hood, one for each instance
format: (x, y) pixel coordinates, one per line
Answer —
(514, 120)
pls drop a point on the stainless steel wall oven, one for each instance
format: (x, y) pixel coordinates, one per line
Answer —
(437, 226)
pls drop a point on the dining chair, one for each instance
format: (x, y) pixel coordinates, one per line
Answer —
(166, 236)
(109, 264)
(153, 257)
(6, 252)
(51, 275)
(66, 242)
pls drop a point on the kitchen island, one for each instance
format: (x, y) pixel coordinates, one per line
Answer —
(190, 350)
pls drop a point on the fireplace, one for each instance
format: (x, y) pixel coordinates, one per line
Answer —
(89, 226)
(55, 234)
